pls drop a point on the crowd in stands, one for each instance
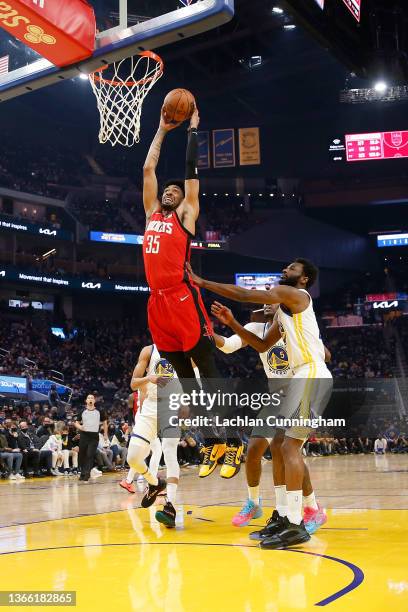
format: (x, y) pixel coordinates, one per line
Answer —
(100, 215)
(379, 436)
(43, 170)
(41, 438)
(36, 442)
(87, 267)
(360, 353)
(226, 219)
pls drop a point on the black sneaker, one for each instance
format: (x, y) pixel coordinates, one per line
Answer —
(152, 492)
(290, 535)
(167, 515)
(274, 525)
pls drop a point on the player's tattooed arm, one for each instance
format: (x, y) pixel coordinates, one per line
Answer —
(150, 185)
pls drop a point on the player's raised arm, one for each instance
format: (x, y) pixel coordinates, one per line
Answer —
(225, 316)
(191, 183)
(139, 379)
(282, 294)
(150, 185)
(247, 337)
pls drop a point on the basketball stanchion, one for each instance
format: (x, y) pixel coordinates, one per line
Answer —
(120, 90)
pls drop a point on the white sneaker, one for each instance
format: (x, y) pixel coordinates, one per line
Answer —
(95, 473)
(12, 477)
(20, 477)
(56, 472)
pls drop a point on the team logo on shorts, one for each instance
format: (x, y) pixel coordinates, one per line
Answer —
(278, 361)
(164, 368)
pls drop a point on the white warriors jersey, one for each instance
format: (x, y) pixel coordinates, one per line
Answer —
(158, 366)
(301, 336)
(275, 360)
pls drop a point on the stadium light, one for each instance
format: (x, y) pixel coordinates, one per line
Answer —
(83, 77)
(277, 10)
(381, 86)
(289, 26)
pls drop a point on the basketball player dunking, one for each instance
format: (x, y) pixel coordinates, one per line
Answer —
(309, 386)
(178, 321)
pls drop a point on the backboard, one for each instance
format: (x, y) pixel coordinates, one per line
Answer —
(125, 27)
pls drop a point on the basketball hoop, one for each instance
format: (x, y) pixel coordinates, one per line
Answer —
(120, 98)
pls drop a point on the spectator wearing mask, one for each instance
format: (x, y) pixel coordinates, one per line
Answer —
(12, 459)
(104, 453)
(70, 449)
(54, 444)
(46, 429)
(36, 444)
(117, 444)
(31, 455)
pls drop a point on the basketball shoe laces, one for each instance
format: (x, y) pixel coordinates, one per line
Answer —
(230, 456)
(206, 450)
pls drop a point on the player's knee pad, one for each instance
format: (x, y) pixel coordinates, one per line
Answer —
(170, 457)
(137, 453)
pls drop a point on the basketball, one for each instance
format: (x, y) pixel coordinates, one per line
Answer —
(178, 105)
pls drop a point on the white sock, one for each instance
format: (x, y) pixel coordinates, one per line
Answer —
(253, 494)
(171, 492)
(309, 501)
(294, 507)
(281, 500)
(130, 475)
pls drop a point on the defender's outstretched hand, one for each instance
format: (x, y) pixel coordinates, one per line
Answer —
(165, 124)
(222, 313)
(196, 279)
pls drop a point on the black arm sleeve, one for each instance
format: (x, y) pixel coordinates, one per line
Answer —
(192, 155)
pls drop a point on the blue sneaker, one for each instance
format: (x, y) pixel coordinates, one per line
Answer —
(249, 511)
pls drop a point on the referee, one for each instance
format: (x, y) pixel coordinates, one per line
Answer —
(91, 419)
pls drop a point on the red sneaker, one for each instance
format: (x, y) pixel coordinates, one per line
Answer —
(314, 519)
(130, 487)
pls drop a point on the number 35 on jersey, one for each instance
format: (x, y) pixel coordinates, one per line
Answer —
(152, 244)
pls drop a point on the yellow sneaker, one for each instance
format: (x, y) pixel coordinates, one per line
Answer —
(211, 454)
(232, 461)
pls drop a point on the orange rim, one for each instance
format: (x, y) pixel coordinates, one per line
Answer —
(149, 54)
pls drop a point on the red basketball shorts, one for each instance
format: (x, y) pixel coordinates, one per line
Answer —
(177, 317)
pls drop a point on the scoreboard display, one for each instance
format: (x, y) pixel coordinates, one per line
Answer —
(257, 280)
(377, 145)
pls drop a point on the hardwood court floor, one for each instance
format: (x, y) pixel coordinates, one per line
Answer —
(57, 534)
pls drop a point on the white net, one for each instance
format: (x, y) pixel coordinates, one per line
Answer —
(120, 97)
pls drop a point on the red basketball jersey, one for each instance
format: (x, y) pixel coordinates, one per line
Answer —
(166, 248)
